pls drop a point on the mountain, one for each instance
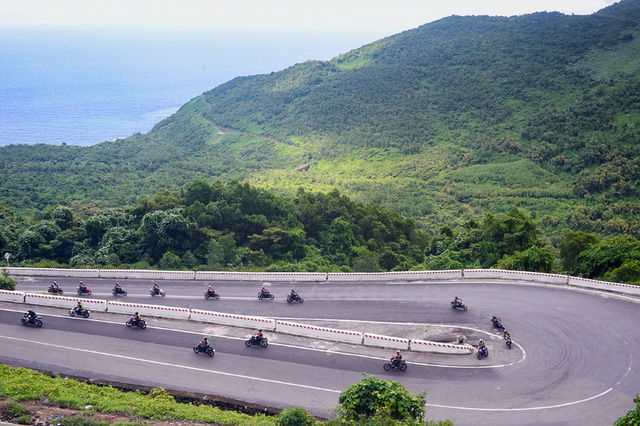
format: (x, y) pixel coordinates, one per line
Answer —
(451, 120)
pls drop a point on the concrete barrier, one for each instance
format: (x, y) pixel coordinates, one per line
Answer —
(324, 333)
(439, 348)
(143, 274)
(12, 296)
(52, 272)
(148, 310)
(385, 341)
(261, 276)
(502, 274)
(233, 319)
(64, 302)
(394, 276)
(603, 285)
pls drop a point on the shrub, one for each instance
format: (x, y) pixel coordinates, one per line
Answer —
(6, 282)
(632, 418)
(372, 396)
(295, 416)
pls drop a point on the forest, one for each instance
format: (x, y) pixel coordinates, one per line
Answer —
(234, 226)
(429, 146)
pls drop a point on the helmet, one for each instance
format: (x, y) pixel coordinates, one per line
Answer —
(136, 313)
(80, 282)
(117, 283)
(480, 341)
(291, 289)
(55, 282)
(260, 331)
(397, 352)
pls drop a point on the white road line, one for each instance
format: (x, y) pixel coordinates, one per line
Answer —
(566, 404)
(166, 364)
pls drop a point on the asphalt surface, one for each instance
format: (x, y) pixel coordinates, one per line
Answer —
(572, 362)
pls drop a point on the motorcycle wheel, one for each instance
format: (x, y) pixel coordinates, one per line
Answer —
(163, 294)
(152, 293)
(72, 313)
(403, 367)
(124, 293)
(142, 325)
(271, 296)
(386, 366)
(206, 295)
(465, 307)
(115, 293)
(79, 293)
(85, 314)
(248, 343)
(195, 349)
(49, 290)
(509, 344)
(260, 296)
(479, 356)
(217, 296)
(300, 299)
(24, 321)
(128, 323)
(38, 323)
(264, 343)
(289, 300)
(210, 351)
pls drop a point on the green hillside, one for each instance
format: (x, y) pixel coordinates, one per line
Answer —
(449, 121)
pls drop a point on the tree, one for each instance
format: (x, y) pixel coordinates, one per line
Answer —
(534, 259)
(376, 397)
(571, 245)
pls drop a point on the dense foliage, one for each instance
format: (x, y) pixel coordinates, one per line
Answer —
(632, 418)
(459, 119)
(234, 226)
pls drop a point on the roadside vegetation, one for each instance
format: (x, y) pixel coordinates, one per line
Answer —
(369, 402)
(234, 226)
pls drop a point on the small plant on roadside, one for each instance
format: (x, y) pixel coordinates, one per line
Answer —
(7, 282)
(295, 416)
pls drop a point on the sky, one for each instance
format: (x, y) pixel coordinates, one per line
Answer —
(375, 17)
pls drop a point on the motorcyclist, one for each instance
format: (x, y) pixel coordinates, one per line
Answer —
(395, 360)
(457, 301)
(79, 307)
(211, 291)
(481, 346)
(506, 335)
(495, 320)
(156, 288)
(204, 344)
(258, 336)
(82, 287)
(264, 291)
(294, 295)
(117, 288)
(32, 316)
(55, 287)
(135, 319)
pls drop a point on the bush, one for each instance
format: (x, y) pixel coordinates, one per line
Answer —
(633, 417)
(376, 397)
(6, 282)
(295, 416)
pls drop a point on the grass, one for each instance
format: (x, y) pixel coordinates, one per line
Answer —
(20, 384)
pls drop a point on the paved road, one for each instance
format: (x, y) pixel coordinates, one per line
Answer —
(573, 362)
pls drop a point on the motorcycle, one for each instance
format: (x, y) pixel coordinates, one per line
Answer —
(55, 290)
(257, 341)
(402, 366)
(212, 293)
(117, 291)
(37, 321)
(497, 324)
(266, 295)
(82, 313)
(141, 323)
(294, 298)
(508, 342)
(460, 305)
(204, 350)
(483, 351)
(155, 292)
(83, 290)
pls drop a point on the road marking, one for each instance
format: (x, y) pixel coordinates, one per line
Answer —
(566, 404)
(166, 364)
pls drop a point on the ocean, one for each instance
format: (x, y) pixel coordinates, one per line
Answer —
(82, 87)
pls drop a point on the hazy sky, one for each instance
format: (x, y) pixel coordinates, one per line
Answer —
(369, 16)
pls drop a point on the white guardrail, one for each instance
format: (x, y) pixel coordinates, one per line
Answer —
(144, 274)
(394, 276)
(52, 272)
(261, 276)
(233, 319)
(443, 348)
(603, 285)
(12, 296)
(324, 333)
(381, 341)
(149, 310)
(64, 302)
